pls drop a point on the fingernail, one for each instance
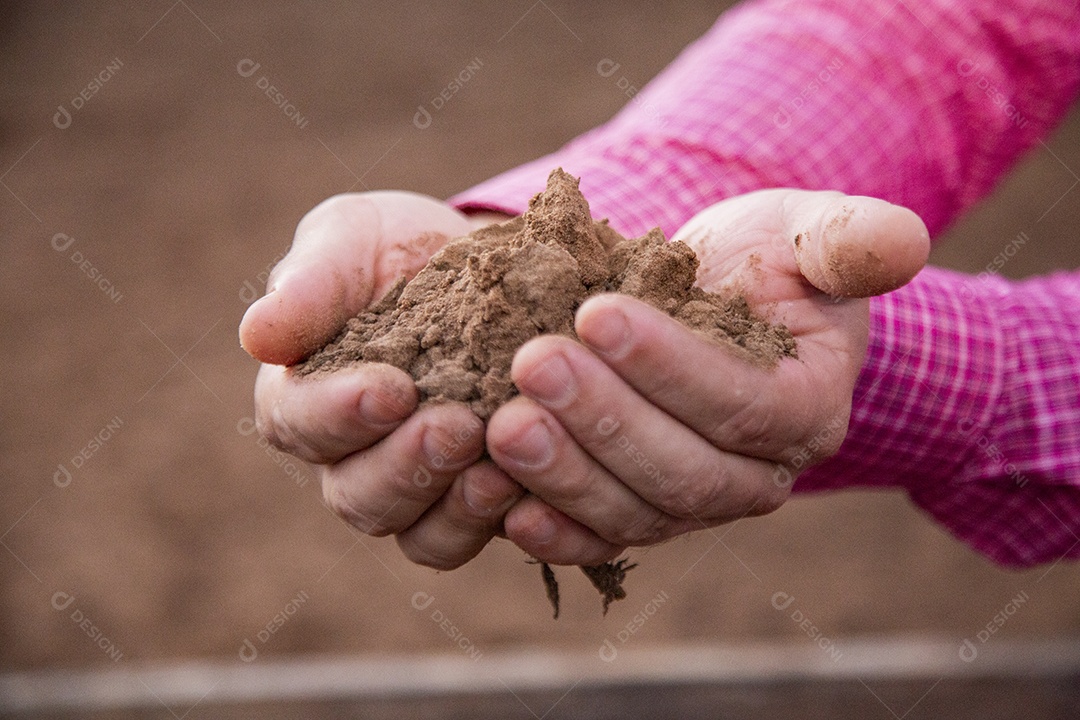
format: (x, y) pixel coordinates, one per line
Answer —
(480, 500)
(551, 383)
(609, 332)
(437, 445)
(375, 409)
(532, 448)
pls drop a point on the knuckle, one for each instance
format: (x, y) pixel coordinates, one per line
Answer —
(754, 425)
(268, 430)
(824, 441)
(648, 529)
(342, 504)
(280, 434)
(336, 499)
(567, 487)
(833, 433)
(697, 493)
(663, 382)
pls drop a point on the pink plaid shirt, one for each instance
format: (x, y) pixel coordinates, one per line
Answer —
(968, 397)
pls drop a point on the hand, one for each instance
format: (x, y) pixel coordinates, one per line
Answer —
(385, 469)
(648, 430)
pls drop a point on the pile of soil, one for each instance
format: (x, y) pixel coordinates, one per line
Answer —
(456, 326)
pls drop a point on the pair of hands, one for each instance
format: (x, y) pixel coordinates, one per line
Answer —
(642, 432)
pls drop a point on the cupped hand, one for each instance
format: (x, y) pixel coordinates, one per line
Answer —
(385, 468)
(648, 430)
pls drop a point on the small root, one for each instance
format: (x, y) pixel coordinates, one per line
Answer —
(608, 579)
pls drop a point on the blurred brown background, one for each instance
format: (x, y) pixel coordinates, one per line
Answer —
(179, 181)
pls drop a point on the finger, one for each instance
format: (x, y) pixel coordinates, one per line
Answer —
(529, 443)
(552, 537)
(323, 418)
(855, 246)
(334, 269)
(619, 438)
(733, 404)
(386, 488)
(465, 519)
(844, 245)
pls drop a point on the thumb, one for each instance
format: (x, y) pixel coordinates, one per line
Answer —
(346, 250)
(855, 246)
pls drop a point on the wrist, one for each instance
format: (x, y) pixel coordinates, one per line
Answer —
(929, 388)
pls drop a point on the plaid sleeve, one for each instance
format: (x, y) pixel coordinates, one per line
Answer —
(968, 399)
(968, 395)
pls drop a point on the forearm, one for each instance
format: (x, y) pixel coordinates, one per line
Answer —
(968, 400)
